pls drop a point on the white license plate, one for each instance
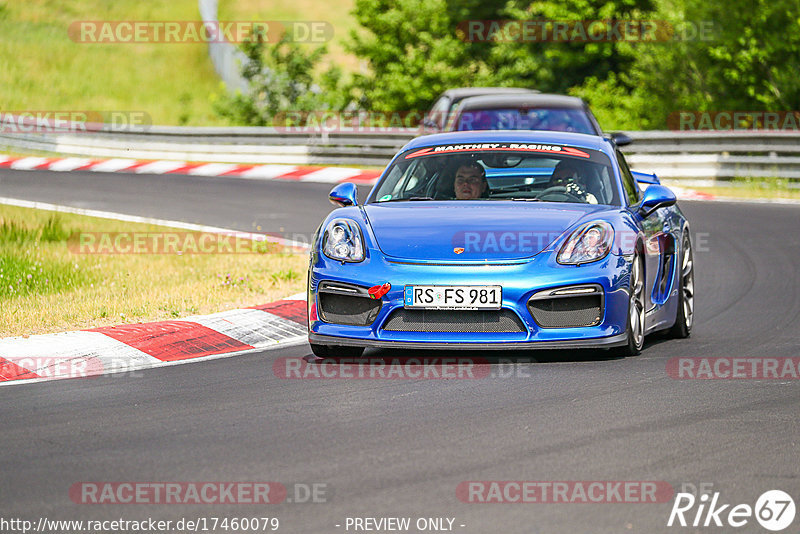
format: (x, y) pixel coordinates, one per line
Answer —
(453, 297)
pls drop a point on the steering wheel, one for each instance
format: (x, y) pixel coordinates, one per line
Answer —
(560, 190)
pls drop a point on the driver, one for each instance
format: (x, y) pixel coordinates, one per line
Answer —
(470, 181)
(568, 174)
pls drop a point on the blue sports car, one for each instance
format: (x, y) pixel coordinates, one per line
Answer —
(501, 240)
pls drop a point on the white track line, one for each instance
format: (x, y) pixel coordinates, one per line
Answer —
(148, 220)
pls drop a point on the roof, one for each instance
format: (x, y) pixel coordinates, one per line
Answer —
(466, 92)
(531, 100)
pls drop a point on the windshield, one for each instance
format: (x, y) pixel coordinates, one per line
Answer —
(560, 120)
(500, 171)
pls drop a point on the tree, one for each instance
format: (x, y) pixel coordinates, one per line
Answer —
(280, 78)
(740, 56)
(414, 51)
(557, 65)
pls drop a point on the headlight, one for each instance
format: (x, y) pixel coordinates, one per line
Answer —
(342, 241)
(590, 242)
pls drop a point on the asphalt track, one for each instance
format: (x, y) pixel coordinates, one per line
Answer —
(399, 448)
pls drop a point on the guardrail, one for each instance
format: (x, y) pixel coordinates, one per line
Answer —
(229, 145)
(718, 155)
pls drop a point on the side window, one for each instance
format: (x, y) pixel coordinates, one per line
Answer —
(628, 181)
(451, 117)
(438, 113)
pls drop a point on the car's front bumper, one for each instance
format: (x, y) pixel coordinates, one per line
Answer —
(520, 282)
(594, 343)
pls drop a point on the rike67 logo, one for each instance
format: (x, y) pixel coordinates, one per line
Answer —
(774, 510)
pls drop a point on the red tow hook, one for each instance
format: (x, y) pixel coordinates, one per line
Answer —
(376, 292)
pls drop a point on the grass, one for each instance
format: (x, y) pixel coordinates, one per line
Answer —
(172, 83)
(45, 286)
(336, 12)
(43, 69)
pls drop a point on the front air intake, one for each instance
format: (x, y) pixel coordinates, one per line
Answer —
(569, 307)
(347, 304)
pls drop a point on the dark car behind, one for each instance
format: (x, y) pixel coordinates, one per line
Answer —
(437, 117)
(533, 111)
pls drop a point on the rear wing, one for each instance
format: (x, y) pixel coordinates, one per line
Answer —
(644, 178)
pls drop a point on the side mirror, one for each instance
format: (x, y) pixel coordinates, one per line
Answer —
(656, 196)
(344, 194)
(621, 139)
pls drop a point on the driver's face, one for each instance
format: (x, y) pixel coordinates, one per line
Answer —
(469, 183)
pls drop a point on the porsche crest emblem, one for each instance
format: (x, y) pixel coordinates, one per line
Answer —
(458, 250)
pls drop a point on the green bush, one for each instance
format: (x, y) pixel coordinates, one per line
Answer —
(280, 78)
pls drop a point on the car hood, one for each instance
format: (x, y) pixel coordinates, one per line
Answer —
(481, 230)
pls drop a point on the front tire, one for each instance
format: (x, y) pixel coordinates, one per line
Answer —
(685, 315)
(635, 324)
(329, 351)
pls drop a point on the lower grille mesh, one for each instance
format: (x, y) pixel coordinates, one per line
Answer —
(403, 320)
(348, 310)
(566, 312)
